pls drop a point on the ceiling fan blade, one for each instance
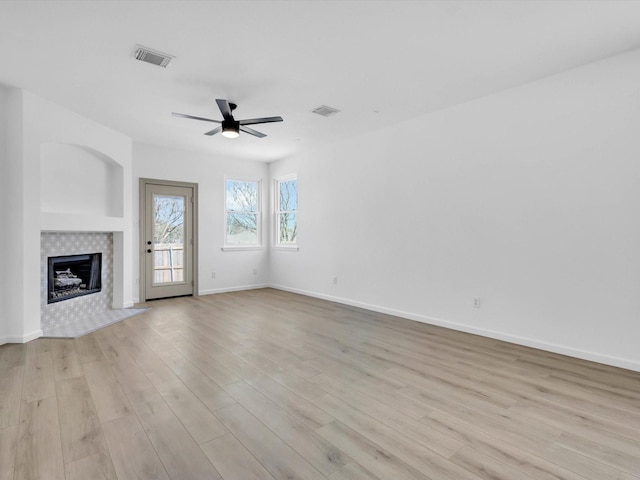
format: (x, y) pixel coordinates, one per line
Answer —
(253, 121)
(214, 131)
(182, 115)
(225, 109)
(252, 131)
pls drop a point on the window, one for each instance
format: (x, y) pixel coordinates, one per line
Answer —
(286, 211)
(242, 219)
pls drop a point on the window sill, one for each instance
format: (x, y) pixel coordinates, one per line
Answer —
(292, 248)
(241, 248)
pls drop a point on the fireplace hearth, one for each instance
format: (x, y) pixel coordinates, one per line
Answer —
(71, 276)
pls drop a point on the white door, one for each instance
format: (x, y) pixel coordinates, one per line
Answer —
(168, 240)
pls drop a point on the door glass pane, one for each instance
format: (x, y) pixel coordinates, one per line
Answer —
(168, 238)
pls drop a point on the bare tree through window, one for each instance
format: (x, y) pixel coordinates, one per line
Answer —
(168, 238)
(287, 211)
(242, 210)
(168, 214)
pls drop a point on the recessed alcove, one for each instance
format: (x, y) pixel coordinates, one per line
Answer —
(78, 180)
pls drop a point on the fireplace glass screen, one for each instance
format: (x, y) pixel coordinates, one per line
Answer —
(72, 276)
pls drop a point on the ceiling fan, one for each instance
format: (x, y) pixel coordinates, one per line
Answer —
(230, 127)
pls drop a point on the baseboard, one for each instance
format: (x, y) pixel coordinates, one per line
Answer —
(233, 289)
(239, 288)
(23, 339)
(527, 342)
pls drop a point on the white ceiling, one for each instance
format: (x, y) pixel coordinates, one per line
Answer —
(379, 62)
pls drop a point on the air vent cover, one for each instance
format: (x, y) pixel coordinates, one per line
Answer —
(154, 57)
(325, 111)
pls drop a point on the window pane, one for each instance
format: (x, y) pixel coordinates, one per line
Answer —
(289, 195)
(242, 228)
(288, 227)
(241, 196)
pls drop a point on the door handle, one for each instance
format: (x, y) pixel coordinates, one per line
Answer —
(148, 242)
(148, 250)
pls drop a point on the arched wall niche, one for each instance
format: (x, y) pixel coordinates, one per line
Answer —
(76, 179)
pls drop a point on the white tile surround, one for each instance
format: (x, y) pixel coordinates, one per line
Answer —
(79, 315)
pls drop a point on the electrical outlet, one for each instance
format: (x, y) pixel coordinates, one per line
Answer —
(213, 274)
(476, 302)
(335, 280)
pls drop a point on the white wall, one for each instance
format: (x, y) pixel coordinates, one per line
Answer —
(4, 202)
(233, 269)
(527, 199)
(15, 202)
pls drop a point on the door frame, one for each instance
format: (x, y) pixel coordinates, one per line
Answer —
(141, 230)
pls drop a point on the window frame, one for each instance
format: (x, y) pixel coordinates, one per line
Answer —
(277, 245)
(258, 213)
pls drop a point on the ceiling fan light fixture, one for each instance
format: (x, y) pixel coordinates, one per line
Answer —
(230, 129)
(230, 134)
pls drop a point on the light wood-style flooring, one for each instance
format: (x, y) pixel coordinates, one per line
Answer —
(264, 384)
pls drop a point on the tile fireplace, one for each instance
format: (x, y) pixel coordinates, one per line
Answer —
(82, 264)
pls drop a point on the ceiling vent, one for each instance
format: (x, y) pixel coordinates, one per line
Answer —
(325, 111)
(154, 57)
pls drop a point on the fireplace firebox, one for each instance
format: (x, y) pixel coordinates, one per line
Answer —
(71, 276)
